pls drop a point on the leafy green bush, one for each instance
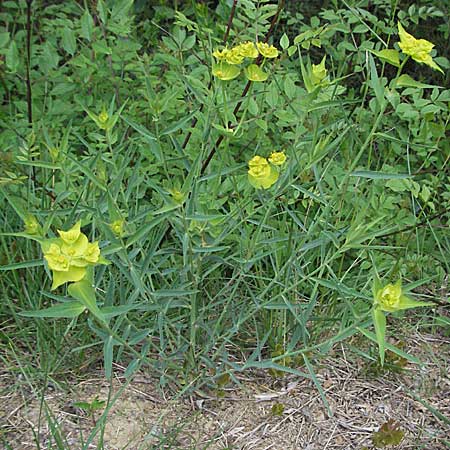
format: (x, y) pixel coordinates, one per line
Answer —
(243, 201)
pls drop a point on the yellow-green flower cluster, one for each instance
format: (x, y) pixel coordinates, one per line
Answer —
(31, 225)
(391, 298)
(117, 227)
(388, 297)
(319, 72)
(69, 255)
(418, 49)
(262, 172)
(227, 61)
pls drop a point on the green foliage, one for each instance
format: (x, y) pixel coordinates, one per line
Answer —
(388, 435)
(277, 409)
(92, 406)
(133, 132)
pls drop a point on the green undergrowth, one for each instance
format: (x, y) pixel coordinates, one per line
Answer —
(114, 113)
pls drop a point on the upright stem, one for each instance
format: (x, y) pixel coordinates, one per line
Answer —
(28, 64)
(230, 21)
(245, 91)
(225, 38)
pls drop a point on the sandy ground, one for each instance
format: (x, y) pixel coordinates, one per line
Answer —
(360, 399)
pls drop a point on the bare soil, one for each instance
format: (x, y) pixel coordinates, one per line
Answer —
(361, 398)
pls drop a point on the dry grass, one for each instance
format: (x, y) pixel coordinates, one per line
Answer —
(360, 401)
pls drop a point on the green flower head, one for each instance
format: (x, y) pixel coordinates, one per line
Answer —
(117, 227)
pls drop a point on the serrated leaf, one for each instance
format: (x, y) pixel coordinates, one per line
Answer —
(102, 11)
(120, 10)
(12, 57)
(87, 25)
(4, 38)
(68, 41)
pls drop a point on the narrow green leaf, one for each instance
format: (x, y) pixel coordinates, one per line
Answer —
(23, 265)
(376, 284)
(134, 364)
(113, 311)
(375, 82)
(390, 347)
(67, 310)
(174, 293)
(108, 349)
(317, 384)
(140, 129)
(379, 175)
(178, 125)
(408, 302)
(430, 408)
(379, 321)
(87, 172)
(43, 164)
(85, 293)
(145, 229)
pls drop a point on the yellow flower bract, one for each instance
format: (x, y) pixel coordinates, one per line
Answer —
(318, 72)
(261, 174)
(247, 50)
(225, 71)
(69, 255)
(254, 73)
(266, 50)
(389, 297)
(234, 56)
(227, 58)
(418, 49)
(277, 158)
